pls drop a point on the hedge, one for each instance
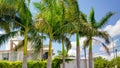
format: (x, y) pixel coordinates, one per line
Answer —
(31, 64)
(100, 62)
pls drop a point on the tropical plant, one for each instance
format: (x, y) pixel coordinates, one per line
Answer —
(77, 26)
(100, 62)
(52, 26)
(23, 20)
(91, 20)
(48, 24)
(75, 18)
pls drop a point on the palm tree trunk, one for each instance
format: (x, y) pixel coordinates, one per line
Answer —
(63, 54)
(63, 20)
(90, 55)
(78, 51)
(85, 58)
(63, 61)
(42, 48)
(11, 48)
(24, 64)
(49, 61)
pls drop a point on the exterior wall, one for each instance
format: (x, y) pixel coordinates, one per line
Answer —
(18, 56)
(72, 64)
(15, 56)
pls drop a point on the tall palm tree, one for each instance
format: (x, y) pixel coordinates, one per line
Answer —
(65, 42)
(74, 5)
(48, 26)
(91, 20)
(80, 28)
(23, 18)
(52, 24)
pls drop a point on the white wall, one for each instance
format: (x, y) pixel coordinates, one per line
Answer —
(72, 64)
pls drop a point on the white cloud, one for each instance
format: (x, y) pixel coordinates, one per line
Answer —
(113, 30)
(72, 51)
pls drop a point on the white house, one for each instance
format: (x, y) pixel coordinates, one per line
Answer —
(12, 55)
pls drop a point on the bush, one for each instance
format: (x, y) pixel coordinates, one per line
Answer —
(32, 64)
(115, 61)
(100, 62)
(5, 64)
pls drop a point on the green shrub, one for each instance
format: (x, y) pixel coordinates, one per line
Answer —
(5, 64)
(32, 64)
(16, 64)
(115, 61)
(100, 62)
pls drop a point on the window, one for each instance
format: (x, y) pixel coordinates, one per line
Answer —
(45, 55)
(5, 56)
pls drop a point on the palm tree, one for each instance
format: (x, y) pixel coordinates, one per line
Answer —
(51, 24)
(79, 27)
(23, 20)
(91, 20)
(63, 38)
(65, 42)
(48, 26)
(75, 13)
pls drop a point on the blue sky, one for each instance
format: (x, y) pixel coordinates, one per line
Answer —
(101, 8)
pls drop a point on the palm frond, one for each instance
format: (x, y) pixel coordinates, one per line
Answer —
(104, 35)
(59, 37)
(38, 6)
(106, 48)
(24, 13)
(4, 26)
(36, 40)
(104, 19)
(83, 17)
(42, 25)
(5, 37)
(91, 17)
(67, 44)
(36, 45)
(86, 43)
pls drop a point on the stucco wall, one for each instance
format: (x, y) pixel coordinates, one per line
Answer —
(72, 64)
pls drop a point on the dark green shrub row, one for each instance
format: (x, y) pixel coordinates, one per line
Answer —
(32, 64)
(100, 62)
